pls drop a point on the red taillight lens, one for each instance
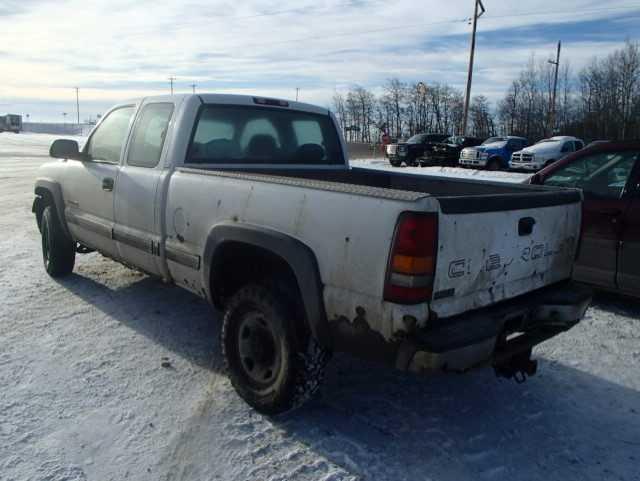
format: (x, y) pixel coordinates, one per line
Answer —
(413, 259)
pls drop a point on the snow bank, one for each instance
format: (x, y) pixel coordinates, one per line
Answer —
(457, 172)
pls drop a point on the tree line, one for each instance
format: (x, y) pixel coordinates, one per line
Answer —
(601, 102)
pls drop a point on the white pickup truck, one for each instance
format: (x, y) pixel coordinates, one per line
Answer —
(250, 203)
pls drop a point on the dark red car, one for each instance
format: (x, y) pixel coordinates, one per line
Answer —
(609, 176)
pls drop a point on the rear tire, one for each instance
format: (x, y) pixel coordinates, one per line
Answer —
(58, 249)
(273, 363)
(395, 162)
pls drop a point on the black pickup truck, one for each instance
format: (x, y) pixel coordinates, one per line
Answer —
(413, 149)
(448, 151)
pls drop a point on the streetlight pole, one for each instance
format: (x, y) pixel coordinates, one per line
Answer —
(467, 97)
(297, 93)
(552, 110)
(78, 105)
(171, 79)
(193, 87)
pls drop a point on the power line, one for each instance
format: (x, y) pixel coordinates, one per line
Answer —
(303, 9)
(332, 35)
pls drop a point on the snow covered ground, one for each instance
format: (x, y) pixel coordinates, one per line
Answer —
(83, 395)
(458, 172)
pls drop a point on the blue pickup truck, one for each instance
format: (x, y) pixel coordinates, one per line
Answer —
(493, 154)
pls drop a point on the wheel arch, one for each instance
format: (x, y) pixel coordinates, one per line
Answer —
(294, 254)
(49, 192)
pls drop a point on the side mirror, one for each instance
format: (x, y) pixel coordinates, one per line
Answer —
(66, 149)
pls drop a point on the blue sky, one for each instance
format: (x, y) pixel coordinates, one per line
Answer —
(119, 49)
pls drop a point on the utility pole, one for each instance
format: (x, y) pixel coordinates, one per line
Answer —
(297, 92)
(552, 109)
(171, 79)
(78, 104)
(467, 97)
(193, 87)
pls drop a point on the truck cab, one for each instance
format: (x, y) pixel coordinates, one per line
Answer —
(493, 154)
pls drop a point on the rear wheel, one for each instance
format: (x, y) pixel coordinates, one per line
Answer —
(58, 249)
(548, 163)
(395, 162)
(273, 363)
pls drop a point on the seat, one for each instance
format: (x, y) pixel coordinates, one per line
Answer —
(262, 147)
(309, 154)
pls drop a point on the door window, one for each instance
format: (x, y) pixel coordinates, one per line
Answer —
(107, 140)
(602, 175)
(149, 134)
(567, 147)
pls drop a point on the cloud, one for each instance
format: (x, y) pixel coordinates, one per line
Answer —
(122, 48)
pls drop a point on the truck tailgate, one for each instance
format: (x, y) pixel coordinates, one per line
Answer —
(493, 248)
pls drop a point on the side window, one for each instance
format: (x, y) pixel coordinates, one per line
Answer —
(149, 134)
(513, 145)
(106, 142)
(578, 145)
(567, 147)
(603, 175)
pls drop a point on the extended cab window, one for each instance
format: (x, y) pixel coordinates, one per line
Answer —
(107, 140)
(257, 135)
(149, 134)
(603, 175)
(567, 147)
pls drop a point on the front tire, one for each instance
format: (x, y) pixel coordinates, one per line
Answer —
(58, 249)
(395, 162)
(273, 363)
(494, 164)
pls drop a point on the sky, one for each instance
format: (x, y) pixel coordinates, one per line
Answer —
(120, 49)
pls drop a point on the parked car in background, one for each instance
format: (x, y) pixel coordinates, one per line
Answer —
(448, 151)
(10, 123)
(609, 176)
(413, 149)
(493, 154)
(544, 153)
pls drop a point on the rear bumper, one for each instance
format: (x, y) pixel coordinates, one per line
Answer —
(495, 334)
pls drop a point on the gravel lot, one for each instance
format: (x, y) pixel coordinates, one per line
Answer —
(84, 394)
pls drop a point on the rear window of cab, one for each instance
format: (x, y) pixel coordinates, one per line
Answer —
(246, 135)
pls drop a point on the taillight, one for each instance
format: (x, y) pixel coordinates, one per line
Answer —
(412, 261)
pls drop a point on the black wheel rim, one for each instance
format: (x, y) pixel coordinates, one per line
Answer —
(46, 244)
(260, 354)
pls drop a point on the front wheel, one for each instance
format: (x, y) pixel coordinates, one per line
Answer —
(494, 164)
(58, 249)
(273, 363)
(395, 162)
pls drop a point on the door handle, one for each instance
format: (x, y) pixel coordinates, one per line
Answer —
(107, 184)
